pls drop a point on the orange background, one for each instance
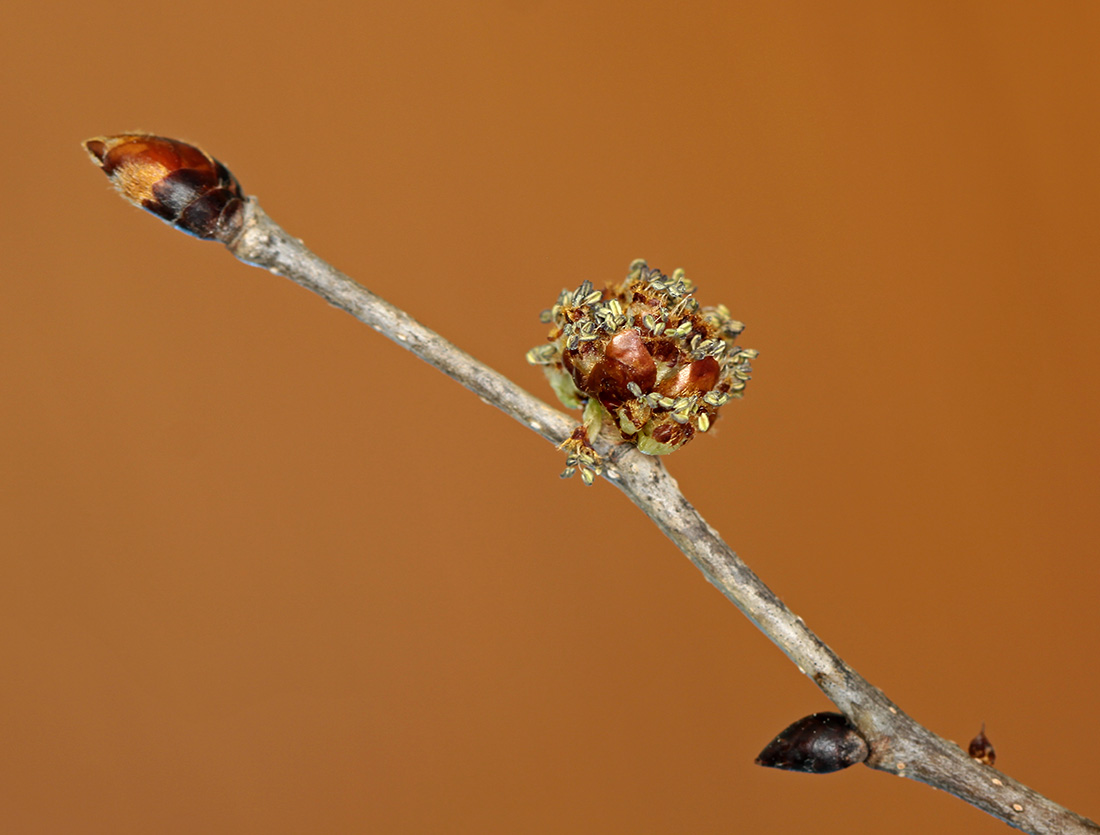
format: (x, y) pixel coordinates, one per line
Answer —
(265, 572)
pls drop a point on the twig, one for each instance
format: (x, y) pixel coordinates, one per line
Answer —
(899, 745)
(193, 191)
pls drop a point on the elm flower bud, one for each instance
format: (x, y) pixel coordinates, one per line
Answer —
(179, 183)
(644, 360)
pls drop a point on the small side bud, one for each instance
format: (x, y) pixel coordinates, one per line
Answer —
(818, 744)
(982, 749)
(179, 183)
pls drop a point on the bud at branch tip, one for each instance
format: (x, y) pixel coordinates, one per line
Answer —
(179, 183)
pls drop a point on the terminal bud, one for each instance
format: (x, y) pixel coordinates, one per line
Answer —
(179, 183)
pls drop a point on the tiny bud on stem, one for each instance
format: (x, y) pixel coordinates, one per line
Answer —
(179, 183)
(982, 749)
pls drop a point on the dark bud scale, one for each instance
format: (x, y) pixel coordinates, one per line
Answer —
(816, 744)
(179, 183)
(643, 360)
(982, 749)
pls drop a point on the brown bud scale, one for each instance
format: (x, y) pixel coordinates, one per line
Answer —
(177, 182)
(699, 377)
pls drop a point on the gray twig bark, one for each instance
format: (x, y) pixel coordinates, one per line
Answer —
(898, 744)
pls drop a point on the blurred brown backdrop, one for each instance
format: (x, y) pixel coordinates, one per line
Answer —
(264, 572)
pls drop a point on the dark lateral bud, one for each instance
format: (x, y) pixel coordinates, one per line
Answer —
(816, 744)
(179, 183)
(982, 749)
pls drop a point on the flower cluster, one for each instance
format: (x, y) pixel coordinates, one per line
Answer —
(643, 359)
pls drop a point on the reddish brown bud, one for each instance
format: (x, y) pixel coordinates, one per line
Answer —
(626, 347)
(179, 183)
(626, 360)
(981, 748)
(701, 376)
(818, 744)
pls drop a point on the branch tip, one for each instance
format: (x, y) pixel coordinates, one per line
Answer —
(179, 183)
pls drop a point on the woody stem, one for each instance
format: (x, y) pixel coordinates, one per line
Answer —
(898, 744)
